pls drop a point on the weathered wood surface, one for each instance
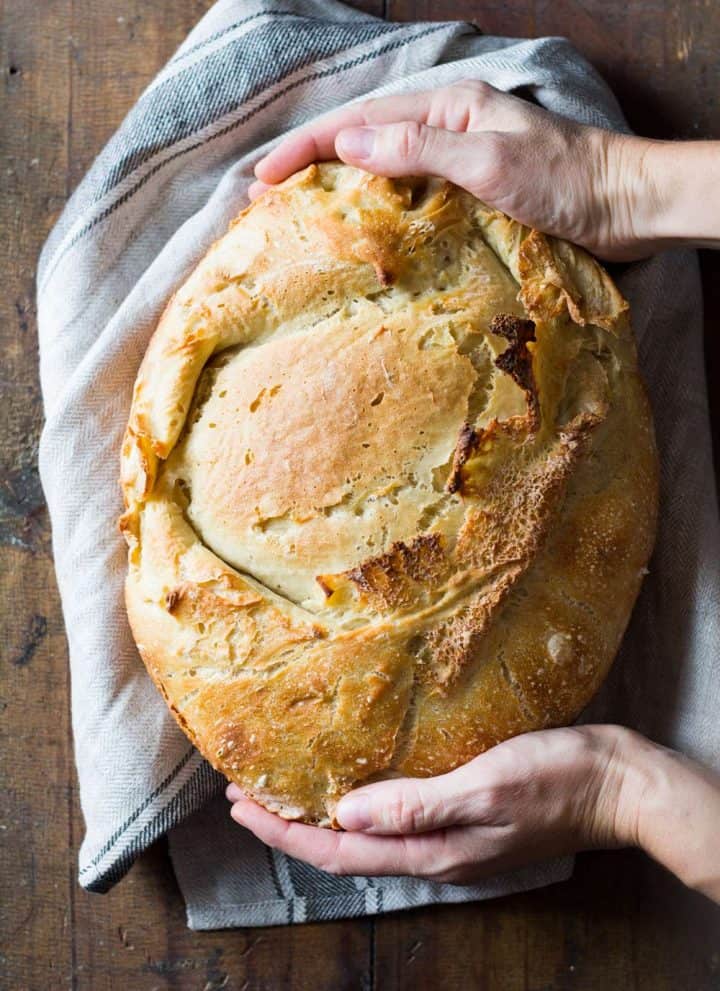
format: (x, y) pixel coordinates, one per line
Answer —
(70, 70)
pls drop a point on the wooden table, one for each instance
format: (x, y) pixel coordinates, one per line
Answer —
(70, 70)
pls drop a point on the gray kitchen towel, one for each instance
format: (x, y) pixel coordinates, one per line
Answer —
(164, 187)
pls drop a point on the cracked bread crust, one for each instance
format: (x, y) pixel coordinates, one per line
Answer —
(390, 484)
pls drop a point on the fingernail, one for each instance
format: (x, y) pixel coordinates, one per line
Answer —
(353, 812)
(356, 142)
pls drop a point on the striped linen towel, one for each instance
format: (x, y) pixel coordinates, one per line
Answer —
(161, 191)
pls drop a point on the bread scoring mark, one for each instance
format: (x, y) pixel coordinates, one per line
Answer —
(466, 442)
(501, 538)
(478, 453)
(519, 501)
(527, 710)
(408, 729)
(445, 650)
(400, 578)
(515, 361)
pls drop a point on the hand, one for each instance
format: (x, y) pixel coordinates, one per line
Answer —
(532, 797)
(617, 195)
(580, 183)
(536, 796)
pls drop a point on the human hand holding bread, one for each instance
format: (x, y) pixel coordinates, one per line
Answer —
(533, 796)
(619, 196)
(537, 795)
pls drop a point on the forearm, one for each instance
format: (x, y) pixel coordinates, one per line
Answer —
(679, 193)
(670, 807)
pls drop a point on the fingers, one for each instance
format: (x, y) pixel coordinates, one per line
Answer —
(342, 853)
(256, 189)
(295, 152)
(509, 782)
(418, 805)
(455, 856)
(469, 105)
(516, 802)
(316, 142)
(409, 148)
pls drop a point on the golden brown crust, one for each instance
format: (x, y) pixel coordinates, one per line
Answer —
(390, 486)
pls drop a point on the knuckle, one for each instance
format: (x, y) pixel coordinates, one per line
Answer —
(421, 858)
(411, 140)
(478, 89)
(332, 860)
(445, 867)
(406, 812)
(402, 817)
(331, 865)
(443, 872)
(367, 108)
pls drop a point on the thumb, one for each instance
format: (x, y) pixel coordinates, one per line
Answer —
(409, 805)
(409, 148)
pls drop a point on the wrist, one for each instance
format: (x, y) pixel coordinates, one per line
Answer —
(656, 799)
(681, 202)
(618, 777)
(678, 817)
(626, 198)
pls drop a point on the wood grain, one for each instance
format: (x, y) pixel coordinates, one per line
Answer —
(37, 838)
(70, 70)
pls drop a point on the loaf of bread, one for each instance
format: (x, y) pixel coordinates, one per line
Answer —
(391, 487)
